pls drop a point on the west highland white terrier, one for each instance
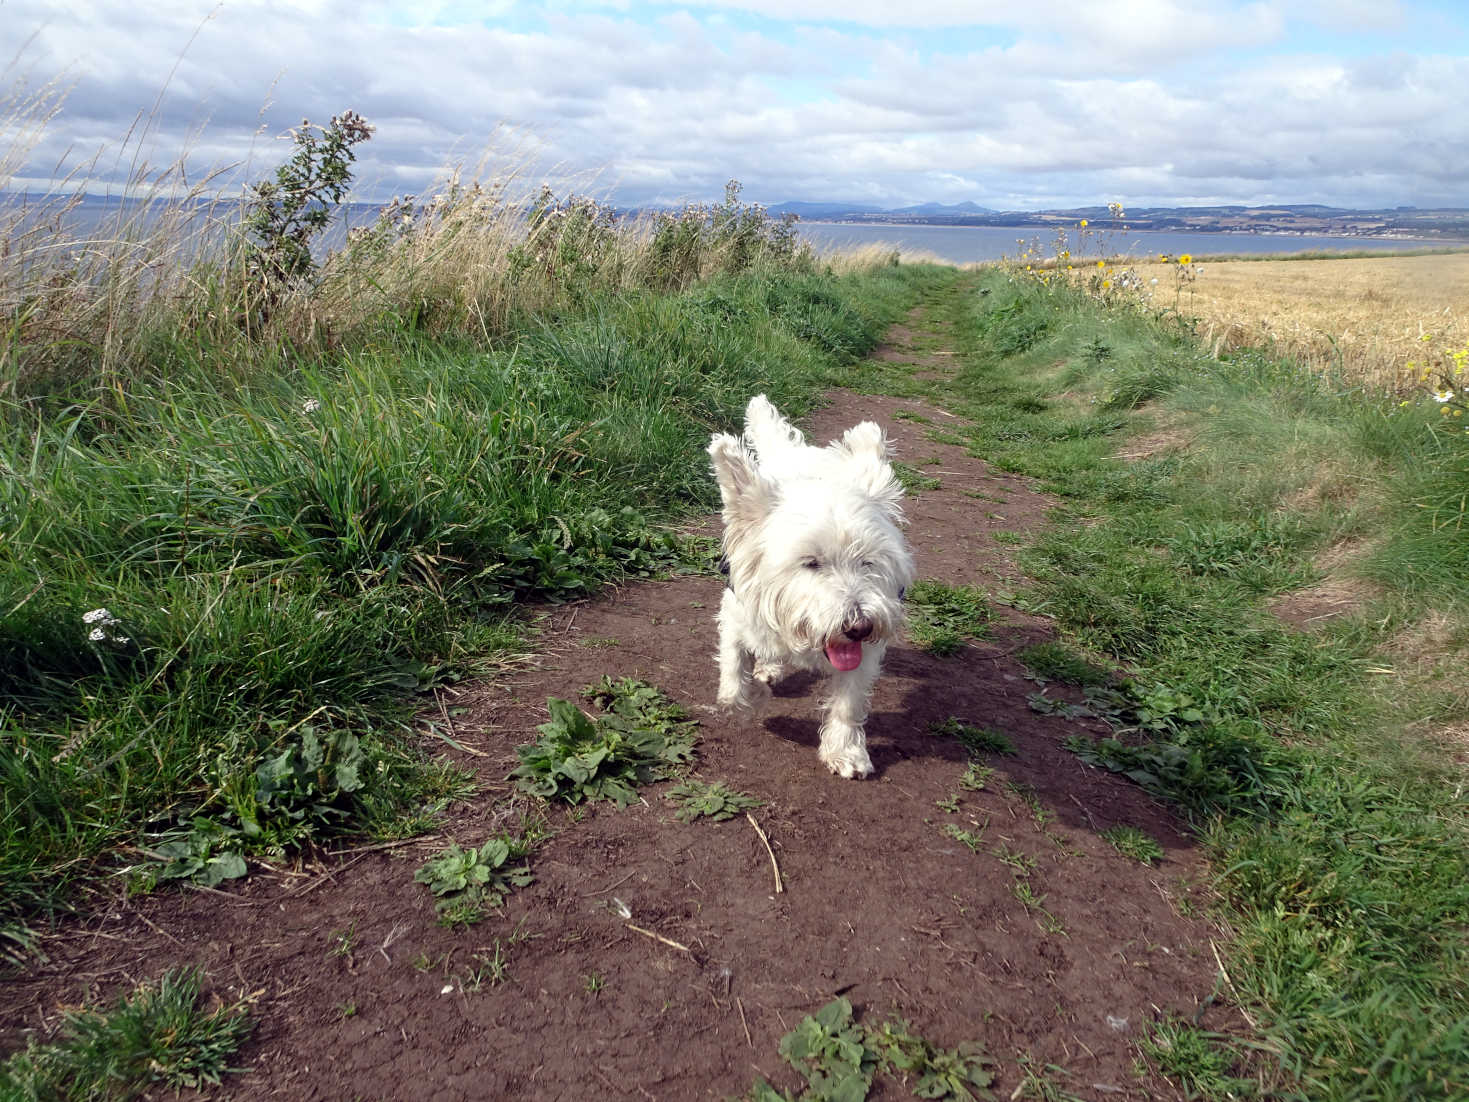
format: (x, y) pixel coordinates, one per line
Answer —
(817, 567)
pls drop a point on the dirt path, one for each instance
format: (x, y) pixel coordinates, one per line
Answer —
(358, 993)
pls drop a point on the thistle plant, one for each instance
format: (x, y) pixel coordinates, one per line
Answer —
(285, 215)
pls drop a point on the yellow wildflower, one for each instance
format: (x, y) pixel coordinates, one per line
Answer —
(1101, 263)
(1186, 258)
(1083, 223)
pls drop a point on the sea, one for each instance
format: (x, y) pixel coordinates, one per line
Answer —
(956, 244)
(969, 244)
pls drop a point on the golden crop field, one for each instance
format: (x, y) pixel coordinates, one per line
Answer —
(1365, 316)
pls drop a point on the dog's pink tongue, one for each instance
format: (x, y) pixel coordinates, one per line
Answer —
(844, 655)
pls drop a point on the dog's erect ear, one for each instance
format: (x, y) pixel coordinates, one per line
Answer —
(747, 497)
(863, 440)
(864, 451)
(767, 431)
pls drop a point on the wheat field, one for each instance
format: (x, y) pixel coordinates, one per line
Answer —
(1363, 316)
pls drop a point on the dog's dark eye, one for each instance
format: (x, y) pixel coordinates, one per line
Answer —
(866, 564)
(811, 564)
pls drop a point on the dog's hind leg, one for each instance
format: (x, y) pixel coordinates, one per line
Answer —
(843, 739)
(739, 689)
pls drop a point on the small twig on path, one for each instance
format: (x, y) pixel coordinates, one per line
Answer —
(422, 839)
(659, 937)
(779, 887)
(330, 874)
(609, 887)
(454, 740)
(1087, 813)
(748, 1039)
(157, 929)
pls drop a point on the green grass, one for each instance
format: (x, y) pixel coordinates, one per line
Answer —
(156, 1037)
(913, 480)
(293, 559)
(1059, 662)
(1132, 842)
(942, 617)
(1338, 844)
(977, 740)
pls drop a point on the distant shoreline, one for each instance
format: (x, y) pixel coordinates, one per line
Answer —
(1215, 231)
(979, 244)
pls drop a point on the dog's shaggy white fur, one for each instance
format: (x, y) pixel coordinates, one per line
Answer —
(817, 567)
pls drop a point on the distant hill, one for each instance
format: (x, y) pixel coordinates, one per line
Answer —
(820, 212)
(853, 212)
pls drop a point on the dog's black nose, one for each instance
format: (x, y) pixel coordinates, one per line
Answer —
(858, 630)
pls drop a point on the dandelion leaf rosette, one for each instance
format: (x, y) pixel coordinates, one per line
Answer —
(829, 1049)
(640, 737)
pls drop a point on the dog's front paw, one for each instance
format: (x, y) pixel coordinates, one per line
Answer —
(746, 699)
(769, 672)
(849, 761)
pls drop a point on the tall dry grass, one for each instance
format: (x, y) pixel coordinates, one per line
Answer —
(1363, 317)
(167, 278)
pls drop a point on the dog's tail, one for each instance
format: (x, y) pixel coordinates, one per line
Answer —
(767, 432)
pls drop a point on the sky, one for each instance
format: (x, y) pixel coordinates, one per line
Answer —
(1011, 104)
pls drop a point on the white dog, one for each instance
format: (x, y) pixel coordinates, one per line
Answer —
(817, 569)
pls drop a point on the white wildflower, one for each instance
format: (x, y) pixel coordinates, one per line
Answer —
(104, 622)
(311, 405)
(1442, 395)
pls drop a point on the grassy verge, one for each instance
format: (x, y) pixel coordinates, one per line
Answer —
(1197, 493)
(156, 1036)
(222, 599)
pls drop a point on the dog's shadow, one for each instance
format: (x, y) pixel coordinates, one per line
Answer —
(794, 686)
(899, 728)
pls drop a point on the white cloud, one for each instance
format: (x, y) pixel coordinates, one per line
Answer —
(1067, 101)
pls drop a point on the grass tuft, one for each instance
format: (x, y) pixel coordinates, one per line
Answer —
(156, 1037)
(941, 617)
